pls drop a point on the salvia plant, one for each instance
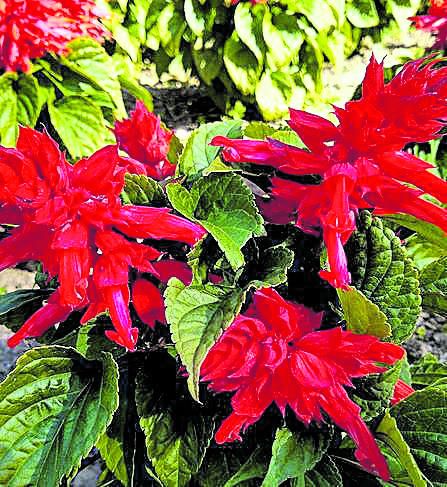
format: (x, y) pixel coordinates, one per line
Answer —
(231, 311)
(54, 69)
(267, 55)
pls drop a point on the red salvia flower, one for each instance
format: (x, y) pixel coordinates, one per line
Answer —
(273, 353)
(434, 21)
(72, 220)
(31, 28)
(146, 142)
(361, 160)
(147, 298)
(401, 391)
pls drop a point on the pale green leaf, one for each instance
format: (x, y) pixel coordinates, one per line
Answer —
(198, 315)
(198, 154)
(80, 125)
(224, 205)
(362, 13)
(404, 469)
(361, 315)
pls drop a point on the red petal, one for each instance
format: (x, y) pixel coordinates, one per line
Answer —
(158, 223)
(148, 302)
(42, 320)
(401, 391)
(173, 268)
(314, 130)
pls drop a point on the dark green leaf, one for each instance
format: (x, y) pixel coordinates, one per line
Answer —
(404, 469)
(293, 455)
(16, 307)
(434, 286)
(53, 407)
(427, 371)
(381, 269)
(422, 420)
(175, 454)
(254, 468)
(142, 190)
(324, 474)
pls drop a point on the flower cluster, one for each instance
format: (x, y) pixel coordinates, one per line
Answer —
(434, 21)
(31, 28)
(361, 160)
(274, 354)
(146, 142)
(71, 218)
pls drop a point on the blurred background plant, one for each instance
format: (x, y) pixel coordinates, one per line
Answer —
(264, 57)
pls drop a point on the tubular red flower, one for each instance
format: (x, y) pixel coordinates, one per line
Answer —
(146, 141)
(31, 28)
(401, 391)
(361, 160)
(434, 21)
(275, 353)
(67, 218)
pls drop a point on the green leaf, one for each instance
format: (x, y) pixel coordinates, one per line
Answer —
(80, 125)
(136, 90)
(275, 92)
(427, 371)
(381, 270)
(422, 251)
(20, 103)
(198, 315)
(434, 286)
(361, 315)
(29, 102)
(293, 455)
(242, 65)
(430, 232)
(89, 59)
(248, 25)
(324, 474)
(422, 420)
(255, 467)
(171, 26)
(404, 469)
(194, 16)
(53, 407)
(208, 63)
(362, 13)
(373, 394)
(175, 453)
(198, 154)
(272, 267)
(142, 190)
(224, 205)
(258, 130)
(8, 113)
(320, 14)
(283, 37)
(16, 307)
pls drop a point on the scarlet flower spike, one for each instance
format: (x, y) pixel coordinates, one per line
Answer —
(274, 353)
(146, 142)
(401, 391)
(361, 160)
(434, 21)
(31, 28)
(67, 217)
